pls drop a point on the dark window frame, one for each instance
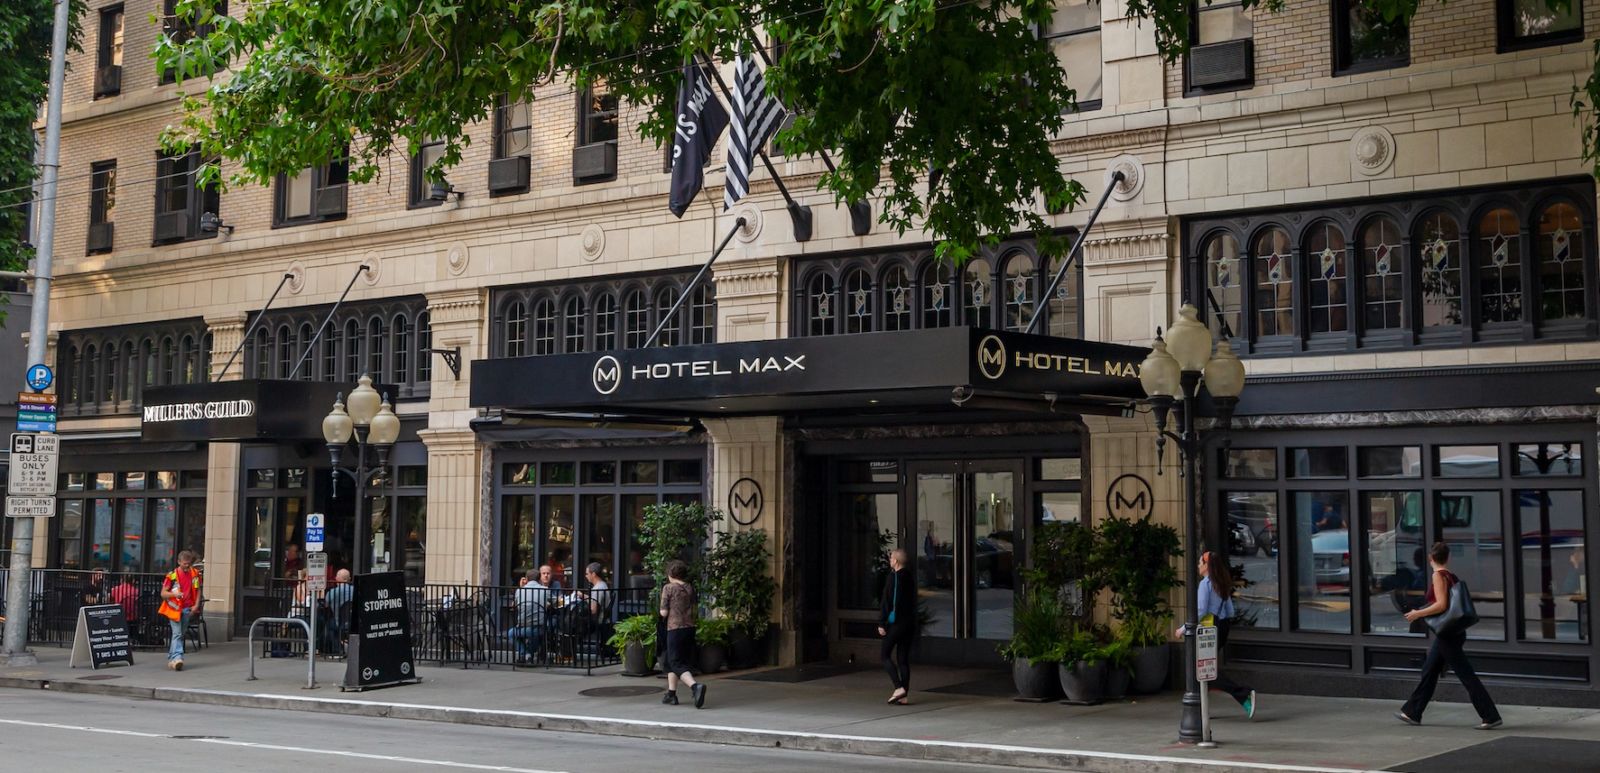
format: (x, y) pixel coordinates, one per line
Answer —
(1506, 38)
(101, 371)
(102, 196)
(182, 169)
(419, 187)
(359, 336)
(327, 176)
(606, 319)
(503, 105)
(589, 118)
(181, 31)
(1195, 10)
(1088, 105)
(113, 24)
(1343, 58)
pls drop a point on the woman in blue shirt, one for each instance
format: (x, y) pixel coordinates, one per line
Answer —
(1216, 599)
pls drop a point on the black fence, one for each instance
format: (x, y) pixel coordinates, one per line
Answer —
(474, 624)
(58, 594)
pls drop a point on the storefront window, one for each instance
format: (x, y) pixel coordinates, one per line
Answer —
(1069, 468)
(1469, 522)
(639, 473)
(559, 474)
(556, 521)
(1250, 463)
(1063, 506)
(1317, 463)
(258, 541)
(519, 474)
(521, 528)
(1389, 462)
(682, 471)
(1322, 561)
(164, 481)
(1539, 460)
(70, 534)
(1396, 569)
(599, 529)
(262, 479)
(597, 473)
(101, 527)
(633, 505)
(164, 533)
(869, 522)
(1468, 462)
(130, 555)
(1258, 587)
(1551, 564)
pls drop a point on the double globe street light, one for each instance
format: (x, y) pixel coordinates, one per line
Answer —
(1172, 376)
(370, 421)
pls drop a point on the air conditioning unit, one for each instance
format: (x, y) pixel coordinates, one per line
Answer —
(507, 175)
(331, 201)
(172, 226)
(1229, 63)
(108, 81)
(595, 162)
(100, 237)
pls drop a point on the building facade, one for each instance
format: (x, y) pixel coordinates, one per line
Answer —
(1394, 224)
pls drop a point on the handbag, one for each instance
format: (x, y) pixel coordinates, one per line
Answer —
(1459, 616)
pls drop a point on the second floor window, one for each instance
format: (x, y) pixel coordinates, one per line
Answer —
(1533, 23)
(595, 157)
(108, 57)
(181, 203)
(102, 204)
(425, 192)
(513, 128)
(182, 29)
(1222, 52)
(1074, 34)
(313, 194)
(1364, 40)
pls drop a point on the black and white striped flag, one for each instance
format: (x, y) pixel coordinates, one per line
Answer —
(756, 115)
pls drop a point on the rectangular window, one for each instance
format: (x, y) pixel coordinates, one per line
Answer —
(1395, 567)
(69, 534)
(1469, 522)
(521, 534)
(181, 30)
(1549, 460)
(556, 522)
(869, 523)
(597, 115)
(413, 513)
(102, 206)
(558, 474)
(599, 529)
(1074, 35)
(1322, 561)
(1533, 23)
(1365, 41)
(1250, 463)
(1318, 463)
(1550, 562)
(108, 55)
(1221, 52)
(131, 539)
(181, 204)
(1221, 22)
(1467, 462)
(1062, 506)
(519, 474)
(426, 192)
(1257, 588)
(101, 528)
(1389, 462)
(192, 525)
(513, 128)
(312, 194)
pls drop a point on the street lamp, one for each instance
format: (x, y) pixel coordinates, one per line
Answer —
(1172, 377)
(370, 421)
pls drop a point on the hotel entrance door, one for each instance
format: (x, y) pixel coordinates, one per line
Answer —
(967, 551)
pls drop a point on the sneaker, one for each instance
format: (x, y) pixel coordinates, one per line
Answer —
(699, 691)
(177, 665)
(1490, 725)
(1250, 706)
(1401, 715)
(670, 698)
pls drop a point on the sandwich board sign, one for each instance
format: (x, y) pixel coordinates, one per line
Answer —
(102, 637)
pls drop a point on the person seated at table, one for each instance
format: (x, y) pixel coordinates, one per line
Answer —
(598, 596)
(338, 595)
(126, 595)
(531, 598)
(95, 592)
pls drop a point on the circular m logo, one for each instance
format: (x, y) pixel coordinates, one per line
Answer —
(991, 357)
(1130, 497)
(745, 501)
(607, 375)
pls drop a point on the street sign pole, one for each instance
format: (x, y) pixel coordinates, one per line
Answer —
(1205, 667)
(14, 646)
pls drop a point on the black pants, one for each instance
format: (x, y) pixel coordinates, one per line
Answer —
(680, 650)
(897, 642)
(1448, 650)
(1223, 682)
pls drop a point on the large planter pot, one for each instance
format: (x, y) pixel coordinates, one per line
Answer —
(1150, 666)
(1084, 682)
(746, 651)
(633, 660)
(713, 658)
(1035, 680)
(1117, 680)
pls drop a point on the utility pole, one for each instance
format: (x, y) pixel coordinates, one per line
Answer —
(14, 649)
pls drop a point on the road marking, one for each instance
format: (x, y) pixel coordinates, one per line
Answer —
(277, 747)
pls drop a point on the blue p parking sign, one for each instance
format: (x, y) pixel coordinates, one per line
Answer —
(40, 378)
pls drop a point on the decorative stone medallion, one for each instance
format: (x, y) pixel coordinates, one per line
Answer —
(456, 259)
(297, 277)
(1372, 149)
(1132, 177)
(592, 242)
(374, 266)
(752, 222)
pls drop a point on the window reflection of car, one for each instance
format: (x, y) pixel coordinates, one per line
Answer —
(1330, 551)
(263, 558)
(992, 565)
(1258, 518)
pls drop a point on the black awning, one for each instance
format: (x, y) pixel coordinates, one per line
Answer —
(941, 368)
(249, 409)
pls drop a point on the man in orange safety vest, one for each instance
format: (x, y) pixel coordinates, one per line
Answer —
(180, 600)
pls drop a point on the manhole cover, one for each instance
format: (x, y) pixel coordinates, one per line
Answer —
(99, 677)
(619, 692)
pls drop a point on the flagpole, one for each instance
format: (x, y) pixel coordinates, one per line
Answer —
(799, 214)
(1077, 247)
(688, 289)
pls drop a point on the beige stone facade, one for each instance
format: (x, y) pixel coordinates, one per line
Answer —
(1459, 115)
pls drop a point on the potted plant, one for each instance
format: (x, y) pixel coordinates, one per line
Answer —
(712, 636)
(1083, 667)
(1118, 654)
(673, 531)
(635, 638)
(742, 589)
(1136, 561)
(1038, 630)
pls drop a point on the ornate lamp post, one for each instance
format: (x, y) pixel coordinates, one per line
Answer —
(370, 421)
(1172, 377)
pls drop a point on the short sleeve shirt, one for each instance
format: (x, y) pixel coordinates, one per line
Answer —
(678, 600)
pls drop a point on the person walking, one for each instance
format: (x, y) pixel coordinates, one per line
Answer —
(180, 594)
(1216, 600)
(1447, 649)
(897, 624)
(677, 606)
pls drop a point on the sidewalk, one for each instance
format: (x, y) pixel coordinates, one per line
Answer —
(843, 713)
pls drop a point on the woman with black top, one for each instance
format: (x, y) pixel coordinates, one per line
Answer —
(1446, 650)
(897, 624)
(677, 606)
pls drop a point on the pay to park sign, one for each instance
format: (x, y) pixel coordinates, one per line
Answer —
(379, 654)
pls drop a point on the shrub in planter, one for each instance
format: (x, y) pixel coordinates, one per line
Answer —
(1039, 628)
(1136, 559)
(1083, 668)
(1118, 656)
(635, 638)
(711, 634)
(741, 589)
(1150, 659)
(674, 531)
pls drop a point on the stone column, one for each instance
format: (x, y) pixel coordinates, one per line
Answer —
(748, 482)
(750, 300)
(222, 534)
(227, 331)
(1127, 285)
(460, 542)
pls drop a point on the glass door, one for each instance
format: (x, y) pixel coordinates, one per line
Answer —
(968, 547)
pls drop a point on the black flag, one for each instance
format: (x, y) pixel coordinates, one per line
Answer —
(700, 121)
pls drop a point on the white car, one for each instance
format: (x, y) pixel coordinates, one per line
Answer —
(1330, 552)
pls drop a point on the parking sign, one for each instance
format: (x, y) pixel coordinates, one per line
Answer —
(1205, 653)
(313, 532)
(33, 464)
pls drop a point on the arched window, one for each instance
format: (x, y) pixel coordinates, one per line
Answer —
(977, 290)
(304, 359)
(1438, 243)
(574, 318)
(330, 353)
(703, 314)
(128, 370)
(205, 357)
(1223, 266)
(671, 324)
(821, 305)
(1561, 249)
(938, 296)
(190, 355)
(1328, 277)
(1020, 291)
(1273, 259)
(352, 350)
(1382, 274)
(1064, 319)
(897, 293)
(91, 365)
(857, 301)
(635, 319)
(400, 329)
(109, 384)
(424, 343)
(285, 350)
(605, 322)
(375, 348)
(1497, 262)
(72, 373)
(152, 362)
(516, 329)
(169, 361)
(544, 325)
(263, 347)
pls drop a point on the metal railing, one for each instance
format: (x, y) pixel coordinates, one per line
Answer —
(58, 594)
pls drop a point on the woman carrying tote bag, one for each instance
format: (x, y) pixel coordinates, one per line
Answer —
(1449, 610)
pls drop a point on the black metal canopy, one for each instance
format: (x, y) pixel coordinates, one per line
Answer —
(933, 369)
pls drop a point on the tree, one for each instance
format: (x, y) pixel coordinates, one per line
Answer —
(944, 108)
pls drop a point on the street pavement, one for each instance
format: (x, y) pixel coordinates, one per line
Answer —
(949, 719)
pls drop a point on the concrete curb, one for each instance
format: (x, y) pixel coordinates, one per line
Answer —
(933, 751)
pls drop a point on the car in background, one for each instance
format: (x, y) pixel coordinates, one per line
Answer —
(1330, 555)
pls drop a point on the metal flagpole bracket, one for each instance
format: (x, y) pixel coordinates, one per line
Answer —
(800, 214)
(452, 359)
(860, 218)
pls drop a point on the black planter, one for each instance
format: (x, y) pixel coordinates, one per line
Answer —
(746, 651)
(1117, 680)
(1150, 665)
(1084, 682)
(633, 660)
(713, 658)
(1035, 680)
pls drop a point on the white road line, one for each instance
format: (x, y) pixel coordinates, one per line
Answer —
(277, 747)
